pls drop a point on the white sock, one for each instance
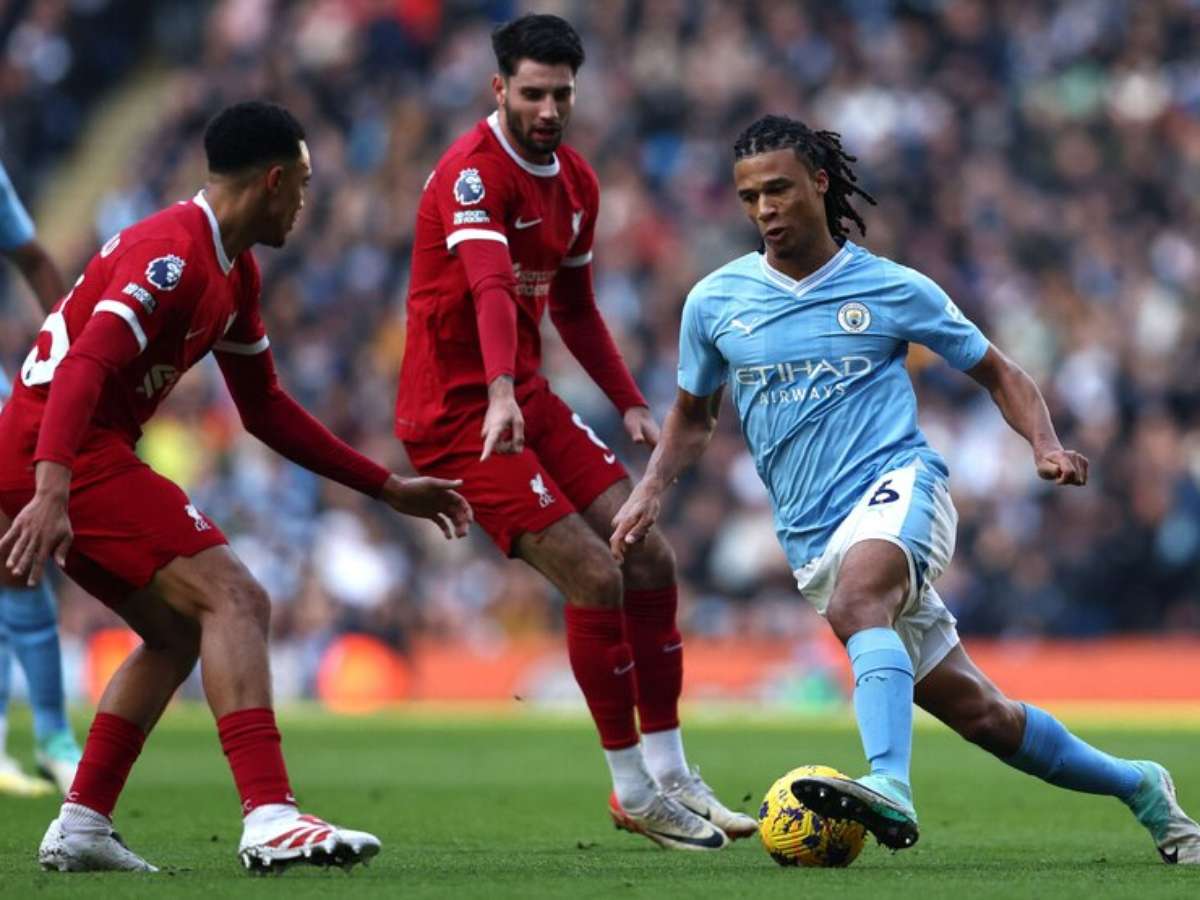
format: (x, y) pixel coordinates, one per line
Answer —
(632, 782)
(264, 815)
(77, 817)
(664, 755)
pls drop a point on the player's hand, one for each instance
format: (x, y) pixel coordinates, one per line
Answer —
(1063, 467)
(430, 498)
(641, 427)
(39, 530)
(634, 520)
(503, 427)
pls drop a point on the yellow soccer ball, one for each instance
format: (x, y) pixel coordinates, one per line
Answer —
(796, 836)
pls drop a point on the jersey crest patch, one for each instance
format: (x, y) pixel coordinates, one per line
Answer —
(165, 271)
(468, 189)
(854, 317)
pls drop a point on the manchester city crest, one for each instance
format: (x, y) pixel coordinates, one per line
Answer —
(854, 317)
(468, 189)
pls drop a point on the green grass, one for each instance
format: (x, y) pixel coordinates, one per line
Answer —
(514, 807)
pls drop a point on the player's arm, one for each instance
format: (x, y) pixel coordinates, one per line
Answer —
(1023, 407)
(685, 435)
(40, 272)
(275, 418)
(575, 315)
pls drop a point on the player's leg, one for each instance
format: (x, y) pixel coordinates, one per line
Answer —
(574, 558)
(1033, 741)
(649, 607)
(13, 779)
(30, 621)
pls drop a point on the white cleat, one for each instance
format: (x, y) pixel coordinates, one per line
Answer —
(697, 796)
(88, 850)
(1175, 833)
(669, 824)
(306, 840)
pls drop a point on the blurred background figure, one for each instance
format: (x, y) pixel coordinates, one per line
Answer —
(28, 625)
(1040, 161)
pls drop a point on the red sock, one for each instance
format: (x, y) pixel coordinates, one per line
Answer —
(603, 667)
(658, 653)
(254, 749)
(112, 747)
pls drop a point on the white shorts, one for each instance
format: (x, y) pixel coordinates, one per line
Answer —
(911, 508)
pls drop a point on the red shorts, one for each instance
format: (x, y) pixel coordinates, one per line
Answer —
(128, 521)
(563, 468)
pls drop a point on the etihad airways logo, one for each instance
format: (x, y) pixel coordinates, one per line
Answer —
(792, 382)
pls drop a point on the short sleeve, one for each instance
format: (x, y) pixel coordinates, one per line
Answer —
(701, 367)
(151, 284)
(247, 335)
(929, 317)
(583, 223)
(472, 200)
(16, 227)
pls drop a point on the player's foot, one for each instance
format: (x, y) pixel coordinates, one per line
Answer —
(15, 782)
(98, 849)
(880, 804)
(692, 792)
(58, 757)
(294, 838)
(1175, 834)
(669, 824)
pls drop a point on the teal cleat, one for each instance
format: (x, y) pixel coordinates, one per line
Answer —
(1154, 803)
(881, 804)
(58, 758)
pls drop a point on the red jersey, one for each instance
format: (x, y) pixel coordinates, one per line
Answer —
(482, 190)
(169, 280)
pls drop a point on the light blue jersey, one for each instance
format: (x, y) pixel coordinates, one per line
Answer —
(16, 228)
(816, 369)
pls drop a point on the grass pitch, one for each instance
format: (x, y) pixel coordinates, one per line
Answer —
(514, 806)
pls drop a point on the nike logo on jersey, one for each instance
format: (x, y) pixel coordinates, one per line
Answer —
(192, 334)
(738, 323)
(610, 458)
(623, 670)
(671, 648)
(521, 224)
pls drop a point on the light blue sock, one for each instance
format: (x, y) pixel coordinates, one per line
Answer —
(1055, 755)
(883, 698)
(29, 618)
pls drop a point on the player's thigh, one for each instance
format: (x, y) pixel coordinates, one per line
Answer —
(650, 563)
(575, 560)
(212, 582)
(874, 573)
(958, 693)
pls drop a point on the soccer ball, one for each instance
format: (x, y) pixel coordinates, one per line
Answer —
(796, 836)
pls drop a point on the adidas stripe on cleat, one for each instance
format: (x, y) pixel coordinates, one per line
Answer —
(840, 798)
(669, 824)
(305, 840)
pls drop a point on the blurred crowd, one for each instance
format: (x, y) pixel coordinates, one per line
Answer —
(1040, 160)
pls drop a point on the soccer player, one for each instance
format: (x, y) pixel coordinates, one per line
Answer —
(504, 229)
(153, 302)
(28, 623)
(812, 335)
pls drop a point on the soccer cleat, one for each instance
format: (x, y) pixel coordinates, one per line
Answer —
(880, 804)
(697, 796)
(57, 759)
(669, 824)
(303, 839)
(88, 850)
(1175, 834)
(15, 782)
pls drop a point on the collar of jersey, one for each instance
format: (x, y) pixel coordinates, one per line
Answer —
(812, 279)
(547, 171)
(222, 260)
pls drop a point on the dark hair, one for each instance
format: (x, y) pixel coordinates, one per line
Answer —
(818, 150)
(542, 38)
(250, 134)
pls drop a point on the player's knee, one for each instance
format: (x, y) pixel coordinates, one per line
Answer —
(598, 583)
(650, 562)
(854, 610)
(180, 642)
(246, 598)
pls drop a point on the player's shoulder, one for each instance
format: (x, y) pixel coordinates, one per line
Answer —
(572, 162)
(476, 149)
(734, 279)
(884, 276)
(170, 245)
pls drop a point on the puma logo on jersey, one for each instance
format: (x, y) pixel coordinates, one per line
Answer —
(521, 224)
(538, 486)
(738, 323)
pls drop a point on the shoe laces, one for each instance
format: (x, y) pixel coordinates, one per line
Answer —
(670, 809)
